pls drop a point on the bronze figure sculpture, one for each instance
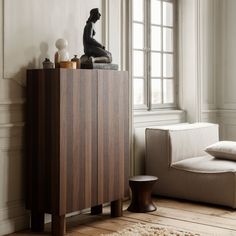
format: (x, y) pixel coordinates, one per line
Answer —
(94, 51)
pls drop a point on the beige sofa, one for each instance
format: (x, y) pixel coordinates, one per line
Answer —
(175, 154)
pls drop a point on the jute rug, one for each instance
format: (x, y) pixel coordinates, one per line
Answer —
(141, 229)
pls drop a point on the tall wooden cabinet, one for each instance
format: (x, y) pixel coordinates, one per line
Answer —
(77, 142)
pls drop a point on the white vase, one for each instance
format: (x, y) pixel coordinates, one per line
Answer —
(62, 54)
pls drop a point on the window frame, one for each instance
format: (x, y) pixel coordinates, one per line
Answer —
(148, 106)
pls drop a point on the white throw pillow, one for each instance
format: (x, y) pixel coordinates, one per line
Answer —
(223, 149)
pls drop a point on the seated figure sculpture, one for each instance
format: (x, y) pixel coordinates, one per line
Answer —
(94, 51)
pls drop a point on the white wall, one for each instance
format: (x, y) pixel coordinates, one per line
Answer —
(29, 37)
(13, 216)
(227, 70)
(189, 83)
(198, 44)
(217, 59)
(208, 44)
(208, 71)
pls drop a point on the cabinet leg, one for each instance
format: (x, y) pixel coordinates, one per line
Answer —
(116, 208)
(58, 225)
(37, 221)
(96, 210)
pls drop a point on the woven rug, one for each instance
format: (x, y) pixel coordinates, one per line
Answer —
(141, 229)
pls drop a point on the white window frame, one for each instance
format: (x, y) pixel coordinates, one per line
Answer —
(148, 106)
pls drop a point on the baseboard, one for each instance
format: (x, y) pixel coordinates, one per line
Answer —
(14, 224)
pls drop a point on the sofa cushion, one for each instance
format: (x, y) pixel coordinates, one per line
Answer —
(205, 164)
(223, 150)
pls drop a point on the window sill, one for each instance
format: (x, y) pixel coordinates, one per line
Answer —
(160, 117)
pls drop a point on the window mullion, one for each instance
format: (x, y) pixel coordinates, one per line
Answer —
(148, 46)
(145, 56)
(175, 49)
(162, 55)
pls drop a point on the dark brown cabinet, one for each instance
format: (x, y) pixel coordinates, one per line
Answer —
(77, 133)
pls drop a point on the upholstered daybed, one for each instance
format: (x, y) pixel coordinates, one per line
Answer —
(176, 155)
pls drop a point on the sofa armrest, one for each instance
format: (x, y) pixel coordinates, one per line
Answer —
(192, 140)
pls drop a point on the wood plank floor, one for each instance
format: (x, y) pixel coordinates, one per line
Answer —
(188, 216)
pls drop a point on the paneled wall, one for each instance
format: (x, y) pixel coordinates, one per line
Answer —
(208, 40)
(208, 44)
(13, 216)
(12, 213)
(199, 31)
(189, 83)
(227, 71)
(207, 63)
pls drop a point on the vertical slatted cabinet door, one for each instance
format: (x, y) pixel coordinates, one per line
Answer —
(51, 137)
(78, 140)
(42, 128)
(31, 139)
(113, 135)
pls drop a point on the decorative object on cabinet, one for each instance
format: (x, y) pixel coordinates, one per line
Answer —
(77, 143)
(62, 54)
(77, 60)
(47, 64)
(94, 51)
(68, 64)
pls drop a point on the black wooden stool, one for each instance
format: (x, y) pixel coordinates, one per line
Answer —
(141, 187)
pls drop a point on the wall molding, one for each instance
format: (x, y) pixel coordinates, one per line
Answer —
(227, 120)
(13, 217)
(1, 40)
(105, 23)
(214, 53)
(208, 53)
(225, 113)
(210, 116)
(161, 117)
(198, 74)
(11, 112)
(11, 137)
(227, 74)
(125, 35)
(13, 209)
(14, 224)
(223, 56)
(227, 130)
(189, 61)
(11, 130)
(197, 90)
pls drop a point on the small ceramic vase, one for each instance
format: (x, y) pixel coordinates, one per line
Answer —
(77, 60)
(47, 64)
(68, 64)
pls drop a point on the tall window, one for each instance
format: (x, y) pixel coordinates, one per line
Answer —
(153, 53)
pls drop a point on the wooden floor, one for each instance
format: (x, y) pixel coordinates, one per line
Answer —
(188, 216)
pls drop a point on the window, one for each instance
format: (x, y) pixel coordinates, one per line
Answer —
(153, 54)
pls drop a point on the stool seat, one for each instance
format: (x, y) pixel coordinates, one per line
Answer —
(141, 187)
(143, 178)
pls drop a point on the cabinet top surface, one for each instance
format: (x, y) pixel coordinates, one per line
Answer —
(65, 69)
